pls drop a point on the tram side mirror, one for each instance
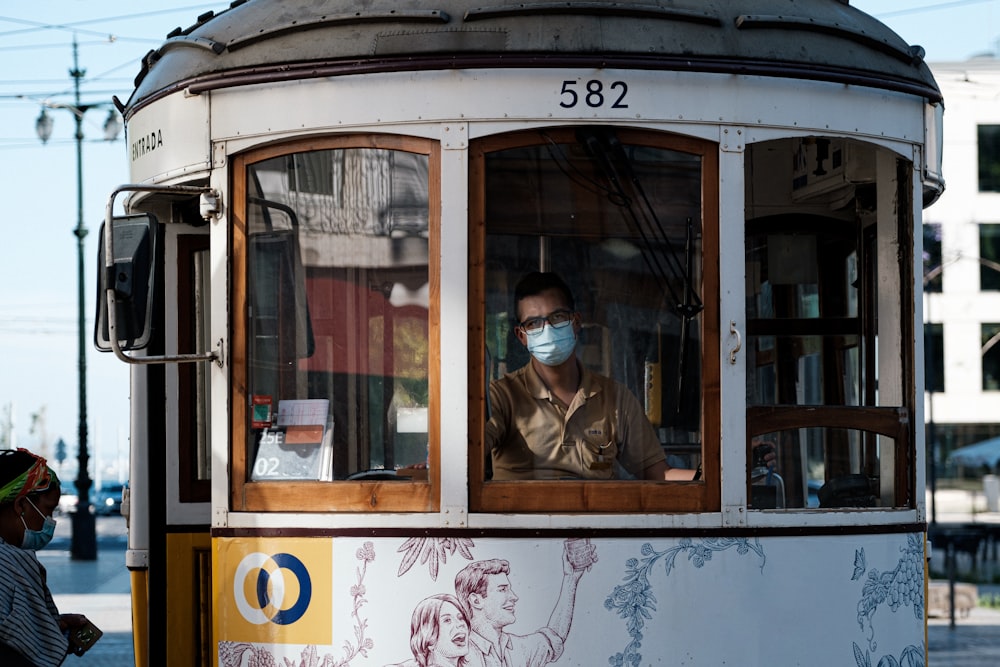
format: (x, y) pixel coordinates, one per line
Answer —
(131, 275)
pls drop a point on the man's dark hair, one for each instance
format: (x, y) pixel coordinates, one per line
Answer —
(537, 282)
(474, 579)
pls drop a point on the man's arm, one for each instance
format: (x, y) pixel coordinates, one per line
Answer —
(562, 614)
(661, 471)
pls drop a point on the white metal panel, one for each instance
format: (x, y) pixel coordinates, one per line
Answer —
(732, 323)
(454, 244)
(787, 600)
(521, 95)
(220, 373)
(169, 137)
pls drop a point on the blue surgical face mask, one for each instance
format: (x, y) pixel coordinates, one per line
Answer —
(552, 345)
(38, 539)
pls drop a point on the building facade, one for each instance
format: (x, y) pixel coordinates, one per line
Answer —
(962, 267)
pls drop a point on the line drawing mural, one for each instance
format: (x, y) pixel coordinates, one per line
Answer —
(634, 601)
(902, 586)
(433, 551)
(487, 598)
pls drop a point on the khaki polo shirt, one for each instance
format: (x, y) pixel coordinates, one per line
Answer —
(534, 435)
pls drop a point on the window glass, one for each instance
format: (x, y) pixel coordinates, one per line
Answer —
(934, 356)
(833, 468)
(991, 356)
(806, 342)
(932, 258)
(989, 158)
(989, 252)
(827, 336)
(194, 416)
(337, 301)
(620, 221)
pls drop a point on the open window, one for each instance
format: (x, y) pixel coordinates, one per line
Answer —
(829, 326)
(629, 220)
(334, 341)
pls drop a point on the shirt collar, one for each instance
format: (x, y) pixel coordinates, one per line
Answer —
(485, 645)
(537, 388)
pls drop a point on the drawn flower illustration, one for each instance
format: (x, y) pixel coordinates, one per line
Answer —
(633, 600)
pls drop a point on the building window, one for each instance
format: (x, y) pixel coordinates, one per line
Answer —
(991, 356)
(989, 253)
(932, 257)
(989, 158)
(934, 356)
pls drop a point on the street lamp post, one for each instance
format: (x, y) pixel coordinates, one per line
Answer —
(84, 538)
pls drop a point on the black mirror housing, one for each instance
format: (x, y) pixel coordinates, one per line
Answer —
(131, 276)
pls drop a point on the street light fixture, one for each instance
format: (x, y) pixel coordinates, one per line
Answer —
(43, 126)
(84, 539)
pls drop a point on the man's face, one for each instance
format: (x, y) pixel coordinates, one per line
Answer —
(541, 305)
(497, 606)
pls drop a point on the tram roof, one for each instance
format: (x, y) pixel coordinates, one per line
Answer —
(257, 41)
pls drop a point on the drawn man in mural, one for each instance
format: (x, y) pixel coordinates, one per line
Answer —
(484, 589)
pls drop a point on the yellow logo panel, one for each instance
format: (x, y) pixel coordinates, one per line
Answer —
(273, 590)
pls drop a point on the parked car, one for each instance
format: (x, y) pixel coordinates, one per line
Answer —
(108, 500)
(68, 499)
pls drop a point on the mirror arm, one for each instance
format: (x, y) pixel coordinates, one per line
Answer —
(109, 253)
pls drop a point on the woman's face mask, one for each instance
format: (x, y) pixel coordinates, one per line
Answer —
(38, 539)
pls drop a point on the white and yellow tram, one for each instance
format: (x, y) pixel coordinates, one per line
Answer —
(330, 205)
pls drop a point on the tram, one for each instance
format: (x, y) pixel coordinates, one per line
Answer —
(330, 205)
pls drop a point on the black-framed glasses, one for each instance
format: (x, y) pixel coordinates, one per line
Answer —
(556, 319)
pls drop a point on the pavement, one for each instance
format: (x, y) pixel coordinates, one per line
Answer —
(99, 589)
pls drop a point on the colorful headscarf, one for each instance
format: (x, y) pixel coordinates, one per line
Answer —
(37, 478)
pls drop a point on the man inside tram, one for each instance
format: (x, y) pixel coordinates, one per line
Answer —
(555, 419)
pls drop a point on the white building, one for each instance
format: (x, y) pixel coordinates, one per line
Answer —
(962, 272)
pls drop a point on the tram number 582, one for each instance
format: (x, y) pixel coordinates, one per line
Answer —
(594, 94)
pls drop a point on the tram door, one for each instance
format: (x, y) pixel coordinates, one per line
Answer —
(169, 522)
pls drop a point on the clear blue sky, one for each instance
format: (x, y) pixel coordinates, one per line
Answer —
(38, 260)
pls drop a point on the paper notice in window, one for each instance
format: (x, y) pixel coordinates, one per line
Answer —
(304, 412)
(299, 446)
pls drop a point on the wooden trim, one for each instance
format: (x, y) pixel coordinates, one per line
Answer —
(345, 496)
(593, 496)
(892, 422)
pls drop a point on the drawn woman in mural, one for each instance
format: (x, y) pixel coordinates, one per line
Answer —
(439, 633)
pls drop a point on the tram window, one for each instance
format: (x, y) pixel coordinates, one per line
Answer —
(828, 337)
(808, 340)
(821, 468)
(620, 216)
(338, 340)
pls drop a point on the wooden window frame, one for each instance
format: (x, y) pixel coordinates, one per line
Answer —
(339, 495)
(564, 496)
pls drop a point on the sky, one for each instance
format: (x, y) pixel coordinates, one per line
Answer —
(39, 376)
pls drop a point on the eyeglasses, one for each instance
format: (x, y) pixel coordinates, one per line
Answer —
(557, 320)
